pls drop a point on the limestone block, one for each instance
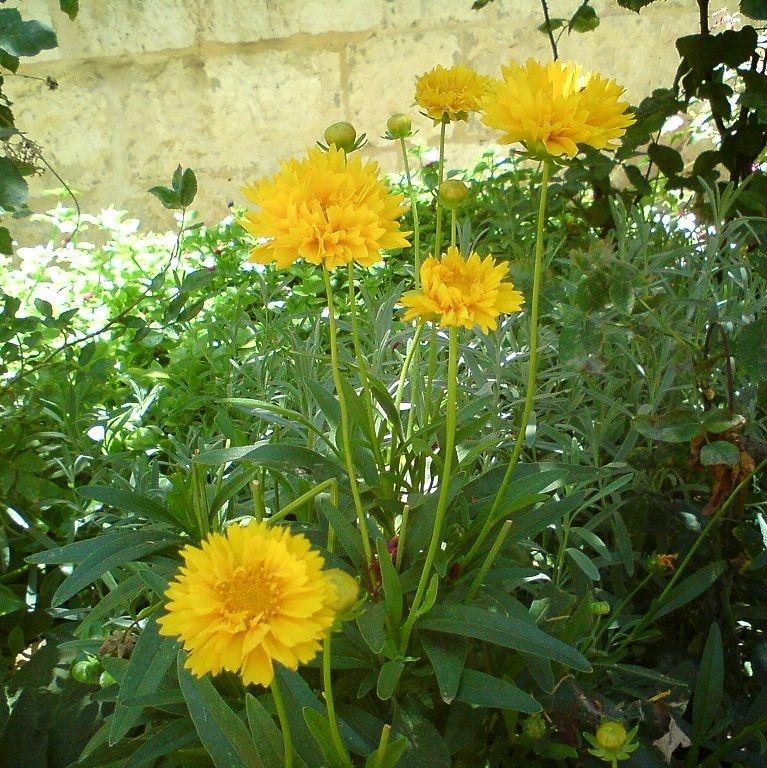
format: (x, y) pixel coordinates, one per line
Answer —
(117, 27)
(252, 20)
(71, 123)
(238, 110)
(381, 77)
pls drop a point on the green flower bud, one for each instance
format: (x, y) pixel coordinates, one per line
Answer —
(399, 126)
(86, 671)
(611, 736)
(600, 608)
(534, 727)
(347, 589)
(452, 193)
(342, 135)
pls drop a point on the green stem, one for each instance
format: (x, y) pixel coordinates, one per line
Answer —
(489, 560)
(532, 365)
(453, 226)
(382, 744)
(363, 371)
(441, 178)
(401, 537)
(715, 518)
(282, 714)
(439, 515)
(414, 212)
(335, 733)
(328, 484)
(345, 427)
(406, 366)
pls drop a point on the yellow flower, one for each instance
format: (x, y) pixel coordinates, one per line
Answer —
(247, 598)
(326, 209)
(462, 292)
(556, 105)
(450, 93)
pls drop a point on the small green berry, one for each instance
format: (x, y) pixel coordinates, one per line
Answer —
(600, 608)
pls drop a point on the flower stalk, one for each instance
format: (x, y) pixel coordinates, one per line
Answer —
(346, 427)
(532, 365)
(282, 714)
(447, 465)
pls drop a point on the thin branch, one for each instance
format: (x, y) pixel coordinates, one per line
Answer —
(549, 30)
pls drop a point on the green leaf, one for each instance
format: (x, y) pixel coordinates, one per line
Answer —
(447, 654)
(70, 7)
(167, 196)
(112, 553)
(150, 660)
(188, 189)
(668, 160)
(388, 677)
(179, 734)
(585, 19)
(675, 426)
(637, 180)
(24, 38)
(266, 735)
(221, 732)
(498, 629)
(280, 456)
(709, 685)
(14, 190)
(392, 753)
(347, 533)
(6, 242)
(427, 748)
(372, 626)
(693, 586)
(10, 601)
(584, 563)
(391, 585)
(488, 691)
(719, 452)
(751, 351)
(132, 502)
(319, 726)
(755, 9)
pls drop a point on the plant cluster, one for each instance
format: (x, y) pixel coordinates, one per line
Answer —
(495, 498)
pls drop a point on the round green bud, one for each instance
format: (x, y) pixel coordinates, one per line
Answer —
(600, 608)
(452, 193)
(342, 135)
(347, 589)
(399, 126)
(534, 727)
(611, 736)
(86, 671)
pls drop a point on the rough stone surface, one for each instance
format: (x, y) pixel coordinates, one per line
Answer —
(231, 87)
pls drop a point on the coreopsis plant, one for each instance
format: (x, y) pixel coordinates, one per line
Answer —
(373, 575)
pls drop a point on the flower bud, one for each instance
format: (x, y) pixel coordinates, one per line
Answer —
(611, 736)
(342, 135)
(346, 587)
(452, 193)
(600, 608)
(399, 126)
(534, 727)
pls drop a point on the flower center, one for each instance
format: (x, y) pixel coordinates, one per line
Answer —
(250, 595)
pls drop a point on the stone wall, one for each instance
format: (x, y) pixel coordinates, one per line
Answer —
(230, 87)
